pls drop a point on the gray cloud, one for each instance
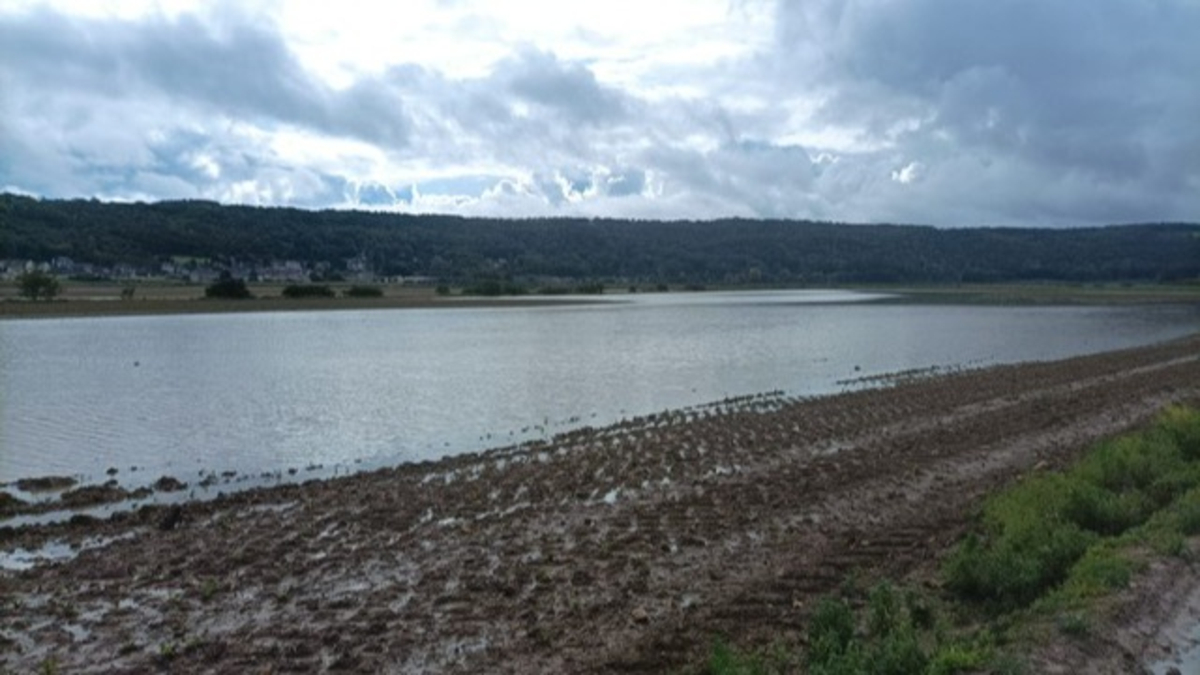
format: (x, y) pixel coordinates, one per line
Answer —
(569, 89)
(236, 70)
(1091, 97)
(972, 112)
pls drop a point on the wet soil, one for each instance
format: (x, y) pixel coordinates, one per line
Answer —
(624, 549)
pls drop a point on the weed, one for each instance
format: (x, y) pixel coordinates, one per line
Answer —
(1075, 624)
(830, 632)
(958, 658)
(1182, 424)
(1188, 514)
(1102, 569)
(1170, 542)
(726, 661)
(208, 590)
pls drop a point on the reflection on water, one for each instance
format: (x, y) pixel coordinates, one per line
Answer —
(264, 392)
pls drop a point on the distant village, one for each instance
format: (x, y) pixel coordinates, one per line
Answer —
(205, 271)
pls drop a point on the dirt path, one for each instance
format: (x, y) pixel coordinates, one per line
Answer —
(621, 549)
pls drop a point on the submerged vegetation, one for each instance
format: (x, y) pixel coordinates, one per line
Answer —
(1040, 561)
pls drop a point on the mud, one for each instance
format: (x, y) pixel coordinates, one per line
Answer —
(627, 548)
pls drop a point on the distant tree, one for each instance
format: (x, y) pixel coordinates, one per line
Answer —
(38, 285)
(228, 288)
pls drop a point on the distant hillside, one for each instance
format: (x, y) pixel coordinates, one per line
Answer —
(720, 251)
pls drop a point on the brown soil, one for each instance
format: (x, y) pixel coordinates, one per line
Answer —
(613, 550)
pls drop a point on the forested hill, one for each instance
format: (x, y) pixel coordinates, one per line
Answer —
(719, 251)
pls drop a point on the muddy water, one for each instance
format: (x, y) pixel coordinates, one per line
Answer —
(185, 395)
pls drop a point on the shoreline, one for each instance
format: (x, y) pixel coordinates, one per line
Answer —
(630, 546)
(103, 300)
(66, 309)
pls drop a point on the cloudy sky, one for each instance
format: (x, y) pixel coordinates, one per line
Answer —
(947, 112)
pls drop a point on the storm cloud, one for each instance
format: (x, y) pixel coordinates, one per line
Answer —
(964, 113)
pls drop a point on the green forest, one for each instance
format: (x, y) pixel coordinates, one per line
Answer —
(725, 251)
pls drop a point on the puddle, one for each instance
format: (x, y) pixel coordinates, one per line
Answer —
(1186, 658)
(53, 551)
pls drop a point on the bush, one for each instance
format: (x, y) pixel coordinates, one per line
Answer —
(726, 661)
(363, 292)
(37, 285)
(1182, 425)
(830, 632)
(1131, 462)
(1100, 570)
(1106, 512)
(1027, 545)
(1188, 515)
(228, 288)
(890, 646)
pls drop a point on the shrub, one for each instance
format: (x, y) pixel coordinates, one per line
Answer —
(1100, 570)
(296, 291)
(830, 632)
(1188, 515)
(1027, 545)
(228, 288)
(1131, 462)
(1182, 425)
(38, 285)
(1106, 512)
(363, 292)
(956, 658)
(726, 661)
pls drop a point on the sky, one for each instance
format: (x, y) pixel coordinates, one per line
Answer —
(942, 112)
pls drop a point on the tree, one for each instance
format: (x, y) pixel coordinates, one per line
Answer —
(38, 285)
(228, 288)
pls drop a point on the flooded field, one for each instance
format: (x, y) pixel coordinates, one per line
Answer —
(281, 396)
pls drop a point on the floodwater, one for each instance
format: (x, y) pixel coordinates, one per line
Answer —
(265, 392)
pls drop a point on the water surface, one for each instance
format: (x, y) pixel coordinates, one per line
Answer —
(268, 391)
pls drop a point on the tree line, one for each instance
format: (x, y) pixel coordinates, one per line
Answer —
(719, 251)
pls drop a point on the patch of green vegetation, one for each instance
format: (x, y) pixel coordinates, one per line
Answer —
(1056, 528)
(1042, 559)
(895, 633)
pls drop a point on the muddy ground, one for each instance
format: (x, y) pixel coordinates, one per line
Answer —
(626, 549)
